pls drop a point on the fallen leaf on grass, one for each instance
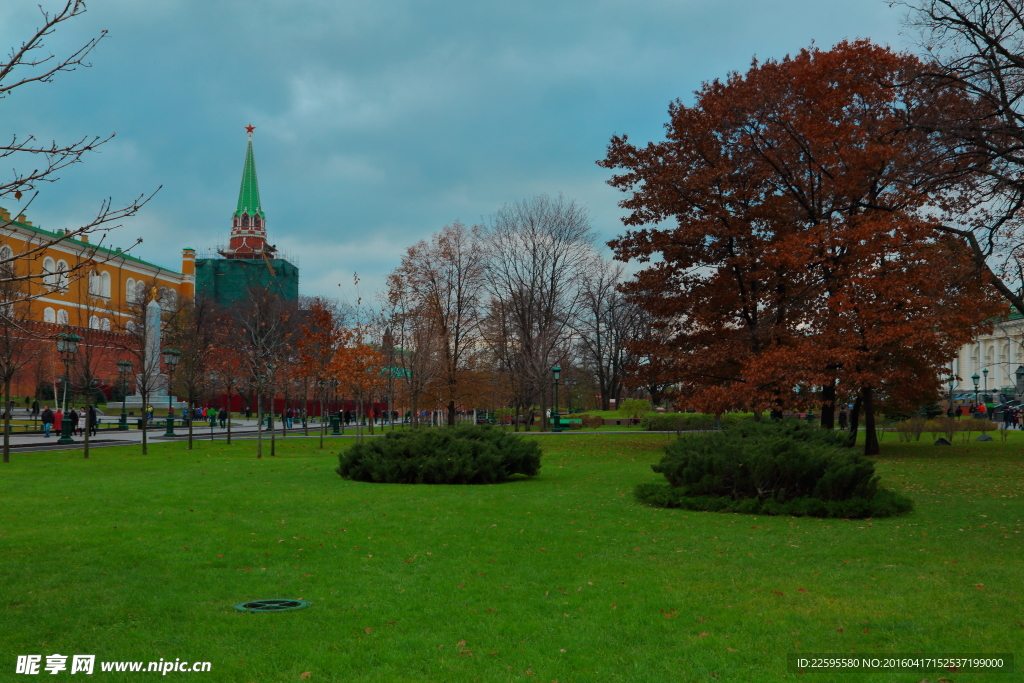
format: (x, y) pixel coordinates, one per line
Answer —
(703, 634)
(305, 674)
(778, 592)
(840, 629)
(368, 629)
(461, 643)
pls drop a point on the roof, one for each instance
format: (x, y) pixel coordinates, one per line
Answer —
(101, 252)
(249, 192)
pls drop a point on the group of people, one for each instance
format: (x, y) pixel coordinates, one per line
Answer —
(80, 420)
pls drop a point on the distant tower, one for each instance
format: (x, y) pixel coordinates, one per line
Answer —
(248, 262)
(248, 223)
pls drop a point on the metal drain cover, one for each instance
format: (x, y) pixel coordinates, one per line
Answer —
(275, 605)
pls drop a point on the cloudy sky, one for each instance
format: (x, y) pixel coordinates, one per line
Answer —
(378, 122)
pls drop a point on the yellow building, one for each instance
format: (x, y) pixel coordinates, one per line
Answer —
(80, 284)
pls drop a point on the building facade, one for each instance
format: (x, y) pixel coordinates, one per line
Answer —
(994, 357)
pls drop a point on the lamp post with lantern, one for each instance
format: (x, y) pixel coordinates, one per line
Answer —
(984, 391)
(171, 358)
(975, 379)
(952, 381)
(124, 367)
(67, 347)
(556, 422)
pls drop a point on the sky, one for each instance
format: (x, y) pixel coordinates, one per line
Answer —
(378, 122)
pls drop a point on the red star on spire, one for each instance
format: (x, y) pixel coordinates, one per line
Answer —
(250, 128)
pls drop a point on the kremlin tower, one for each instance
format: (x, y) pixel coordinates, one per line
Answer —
(247, 263)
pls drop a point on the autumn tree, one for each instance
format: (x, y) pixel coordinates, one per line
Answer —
(319, 345)
(805, 250)
(443, 280)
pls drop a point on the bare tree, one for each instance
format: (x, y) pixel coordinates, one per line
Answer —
(263, 338)
(976, 48)
(606, 324)
(21, 341)
(538, 250)
(193, 333)
(28, 64)
(140, 329)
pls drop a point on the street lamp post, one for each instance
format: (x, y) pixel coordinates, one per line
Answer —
(975, 378)
(985, 385)
(124, 367)
(556, 422)
(952, 381)
(573, 391)
(170, 365)
(67, 346)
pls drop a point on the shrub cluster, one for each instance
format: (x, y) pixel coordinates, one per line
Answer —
(789, 467)
(449, 455)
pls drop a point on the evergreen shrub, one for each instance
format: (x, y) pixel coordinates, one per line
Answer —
(478, 454)
(774, 468)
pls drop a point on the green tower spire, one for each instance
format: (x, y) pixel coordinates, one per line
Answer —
(249, 193)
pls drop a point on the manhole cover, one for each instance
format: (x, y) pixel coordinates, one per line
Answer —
(271, 605)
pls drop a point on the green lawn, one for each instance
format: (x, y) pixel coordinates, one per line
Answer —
(558, 578)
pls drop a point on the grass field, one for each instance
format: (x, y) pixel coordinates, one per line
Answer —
(558, 578)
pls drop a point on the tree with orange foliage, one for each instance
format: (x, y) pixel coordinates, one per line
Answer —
(443, 282)
(804, 251)
(358, 367)
(320, 345)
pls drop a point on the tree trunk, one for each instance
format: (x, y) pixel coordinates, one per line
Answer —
(828, 405)
(870, 436)
(259, 426)
(145, 423)
(451, 413)
(191, 416)
(854, 422)
(229, 415)
(270, 425)
(321, 422)
(7, 423)
(88, 427)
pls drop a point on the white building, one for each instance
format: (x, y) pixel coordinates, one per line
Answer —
(1000, 353)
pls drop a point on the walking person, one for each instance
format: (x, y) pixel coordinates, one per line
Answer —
(47, 418)
(94, 421)
(58, 419)
(73, 416)
(223, 416)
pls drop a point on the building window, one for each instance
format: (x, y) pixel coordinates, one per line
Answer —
(62, 317)
(130, 327)
(140, 292)
(49, 270)
(62, 275)
(49, 315)
(95, 284)
(94, 322)
(105, 284)
(6, 262)
(129, 291)
(105, 324)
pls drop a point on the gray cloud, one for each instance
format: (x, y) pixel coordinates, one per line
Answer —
(379, 122)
